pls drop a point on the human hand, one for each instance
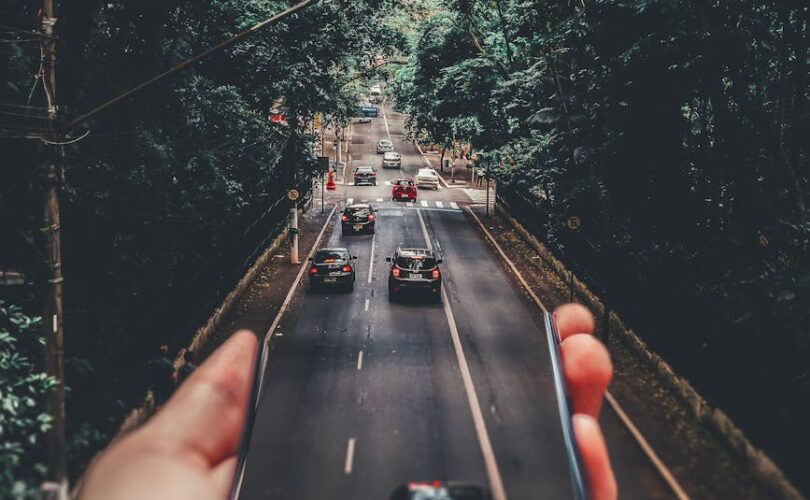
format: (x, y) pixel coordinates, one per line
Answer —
(188, 449)
(587, 370)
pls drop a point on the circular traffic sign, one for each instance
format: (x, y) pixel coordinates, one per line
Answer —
(574, 222)
(293, 194)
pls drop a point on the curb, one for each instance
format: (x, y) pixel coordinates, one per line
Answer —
(757, 462)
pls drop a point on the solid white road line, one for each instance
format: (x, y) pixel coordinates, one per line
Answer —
(347, 467)
(385, 120)
(662, 469)
(371, 259)
(490, 464)
(440, 204)
(424, 203)
(453, 204)
(367, 303)
(409, 204)
(360, 358)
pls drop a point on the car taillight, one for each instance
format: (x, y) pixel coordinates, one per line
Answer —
(313, 270)
(344, 218)
(374, 174)
(370, 217)
(436, 274)
(395, 272)
(347, 269)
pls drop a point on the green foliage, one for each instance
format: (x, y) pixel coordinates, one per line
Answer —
(175, 189)
(677, 132)
(23, 389)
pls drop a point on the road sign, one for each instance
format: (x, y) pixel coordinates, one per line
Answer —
(574, 222)
(293, 194)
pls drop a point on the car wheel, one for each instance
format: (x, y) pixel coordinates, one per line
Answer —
(350, 287)
(391, 296)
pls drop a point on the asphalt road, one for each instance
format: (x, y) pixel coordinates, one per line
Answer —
(362, 395)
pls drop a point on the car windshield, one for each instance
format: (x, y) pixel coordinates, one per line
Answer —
(329, 257)
(416, 263)
(385, 143)
(365, 169)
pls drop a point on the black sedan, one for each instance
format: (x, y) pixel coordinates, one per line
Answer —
(332, 267)
(416, 271)
(365, 175)
(358, 218)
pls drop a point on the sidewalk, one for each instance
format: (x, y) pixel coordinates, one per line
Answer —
(463, 175)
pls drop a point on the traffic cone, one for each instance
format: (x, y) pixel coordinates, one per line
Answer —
(330, 181)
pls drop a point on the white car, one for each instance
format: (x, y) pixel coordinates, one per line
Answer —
(427, 177)
(384, 146)
(392, 160)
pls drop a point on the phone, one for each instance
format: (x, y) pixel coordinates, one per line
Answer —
(575, 466)
(250, 415)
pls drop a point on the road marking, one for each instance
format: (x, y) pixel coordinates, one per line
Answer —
(424, 203)
(409, 204)
(367, 303)
(347, 468)
(453, 204)
(349, 201)
(385, 120)
(371, 259)
(490, 463)
(662, 469)
(360, 355)
(440, 204)
(379, 199)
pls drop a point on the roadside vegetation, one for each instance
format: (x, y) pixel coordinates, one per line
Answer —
(660, 148)
(173, 191)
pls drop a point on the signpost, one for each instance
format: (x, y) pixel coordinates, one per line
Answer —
(293, 195)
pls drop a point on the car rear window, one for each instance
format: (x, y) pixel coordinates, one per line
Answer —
(427, 173)
(328, 257)
(416, 263)
(357, 210)
(404, 183)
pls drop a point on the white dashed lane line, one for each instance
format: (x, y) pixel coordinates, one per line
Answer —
(347, 467)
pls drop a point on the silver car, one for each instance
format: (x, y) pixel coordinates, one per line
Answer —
(427, 177)
(384, 146)
(392, 160)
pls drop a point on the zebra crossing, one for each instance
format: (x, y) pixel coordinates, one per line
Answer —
(427, 204)
(479, 196)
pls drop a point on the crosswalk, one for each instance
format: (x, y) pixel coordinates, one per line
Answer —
(428, 204)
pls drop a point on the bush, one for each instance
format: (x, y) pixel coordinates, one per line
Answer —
(23, 420)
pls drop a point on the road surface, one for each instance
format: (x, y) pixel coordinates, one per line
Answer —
(362, 395)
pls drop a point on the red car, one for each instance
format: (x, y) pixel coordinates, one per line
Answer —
(403, 189)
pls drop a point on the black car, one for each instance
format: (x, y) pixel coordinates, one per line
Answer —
(365, 175)
(332, 267)
(439, 490)
(414, 270)
(358, 218)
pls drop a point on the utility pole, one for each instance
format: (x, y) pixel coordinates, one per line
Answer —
(52, 332)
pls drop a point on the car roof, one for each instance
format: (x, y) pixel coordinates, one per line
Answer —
(334, 249)
(365, 166)
(385, 141)
(415, 252)
(403, 179)
(391, 153)
(432, 171)
(359, 205)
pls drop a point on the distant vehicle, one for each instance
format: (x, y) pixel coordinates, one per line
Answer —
(427, 177)
(365, 175)
(439, 490)
(375, 90)
(368, 109)
(384, 146)
(358, 218)
(414, 270)
(392, 160)
(364, 119)
(332, 267)
(403, 189)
